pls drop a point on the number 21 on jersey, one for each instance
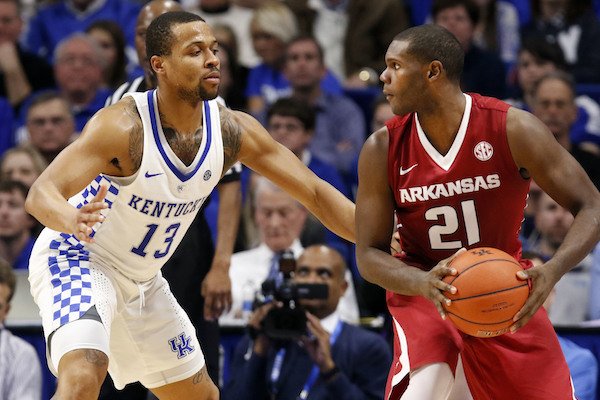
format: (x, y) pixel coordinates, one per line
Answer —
(450, 218)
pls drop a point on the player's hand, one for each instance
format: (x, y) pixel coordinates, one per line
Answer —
(543, 278)
(216, 290)
(318, 346)
(432, 285)
(88, 215)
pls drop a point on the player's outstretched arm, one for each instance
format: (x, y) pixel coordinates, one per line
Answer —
(538, 154)
(259, 151)
(374, 227)
(103, 146)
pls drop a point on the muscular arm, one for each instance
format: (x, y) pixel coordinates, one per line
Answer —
(538, 155)
(259, 151)
(103, 147)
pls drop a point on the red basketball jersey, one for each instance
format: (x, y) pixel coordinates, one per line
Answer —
(473, 196)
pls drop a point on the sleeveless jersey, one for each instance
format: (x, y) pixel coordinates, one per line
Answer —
(466, 198)
(150, 211)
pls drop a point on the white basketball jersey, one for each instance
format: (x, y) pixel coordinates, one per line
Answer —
(150, 211)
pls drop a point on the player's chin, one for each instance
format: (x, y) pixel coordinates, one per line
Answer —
(209, 92)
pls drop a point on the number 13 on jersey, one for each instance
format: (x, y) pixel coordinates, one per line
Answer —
(450, 224)
(169, 235)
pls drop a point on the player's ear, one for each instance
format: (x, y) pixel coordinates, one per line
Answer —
(435, 70)
(156, 63)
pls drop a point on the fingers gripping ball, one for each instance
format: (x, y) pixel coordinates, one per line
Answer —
(488, 292)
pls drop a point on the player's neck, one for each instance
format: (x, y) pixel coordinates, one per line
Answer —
(180, 115)
(441, 118)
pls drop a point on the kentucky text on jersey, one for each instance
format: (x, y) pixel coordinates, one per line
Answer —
(158, 208)
(449, 189)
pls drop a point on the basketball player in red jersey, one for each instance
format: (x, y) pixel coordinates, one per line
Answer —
(455, 168)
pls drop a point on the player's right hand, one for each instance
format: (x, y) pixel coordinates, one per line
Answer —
(88, 215)
(432, 286)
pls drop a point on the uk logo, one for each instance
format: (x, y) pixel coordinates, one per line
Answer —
(483, 151)
(181, 345)
(207, 175)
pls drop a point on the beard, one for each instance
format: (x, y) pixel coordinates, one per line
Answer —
(195, 96)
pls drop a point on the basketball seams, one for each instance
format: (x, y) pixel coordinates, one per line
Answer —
(461, 273)
(490, 293)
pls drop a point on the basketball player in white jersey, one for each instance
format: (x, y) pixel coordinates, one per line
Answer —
(152, 159)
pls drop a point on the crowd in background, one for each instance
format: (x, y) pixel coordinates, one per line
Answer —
(309, 71)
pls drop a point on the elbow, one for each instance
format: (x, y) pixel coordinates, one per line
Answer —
(363, 265)
(30, 200)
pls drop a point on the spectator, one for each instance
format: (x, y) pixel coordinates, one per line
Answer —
(78, 71)
(498, 29)
(572, 290)
(21, 72)
(483, 71)
(554, 104)
(354, 34)
(109, 37)
(23, 164)
(50, 124)
(16, 241)
(574, 26)
(280, 220)
(233, 78)
(60, 19)
(20, 369)
(338, 361)
(340, 127)
(7, 136)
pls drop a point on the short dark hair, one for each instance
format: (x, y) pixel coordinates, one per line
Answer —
(7, 277)
(292, 107)
(308, 38)
(562, 76)
(45, 97)
(545, 51)
(432, 42)
(8, 186)
(469, 5)
(159, 36)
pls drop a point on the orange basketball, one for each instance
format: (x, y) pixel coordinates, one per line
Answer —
(488, 293)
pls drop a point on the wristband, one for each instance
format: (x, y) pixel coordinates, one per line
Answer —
(327, 376)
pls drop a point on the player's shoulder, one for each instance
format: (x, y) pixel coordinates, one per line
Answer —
(119, 117)
(489, 103)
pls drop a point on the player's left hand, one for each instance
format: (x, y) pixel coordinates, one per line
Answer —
(318, 347)
(216, 290)
(543, 278)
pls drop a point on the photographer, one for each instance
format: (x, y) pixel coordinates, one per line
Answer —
(333, 360)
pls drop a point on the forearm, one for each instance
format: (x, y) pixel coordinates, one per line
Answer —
(230, 202)
(384, 270)
(335, 211)
(17, 85)
(50, 207)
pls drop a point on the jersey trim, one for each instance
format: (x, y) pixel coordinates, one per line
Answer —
(178, 173)
(445, 162)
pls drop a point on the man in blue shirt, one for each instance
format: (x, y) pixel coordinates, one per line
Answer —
(16, 240)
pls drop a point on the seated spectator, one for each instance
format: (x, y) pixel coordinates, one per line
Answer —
(333, 360)
(23, 164)
(50, 124)
(483, 71)
(233, 79)
(572, 290)
(340, 126)
(20, 368)
(16, 241)
(554, 104)
(280, 220)
(498, 29)
(21, 72)
(536, 58)
(109, 37)
(574, 26)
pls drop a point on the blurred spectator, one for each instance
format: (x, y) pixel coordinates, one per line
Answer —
(572, 291)
(78, 72)
(498, 29)
(340, 127)
(59, 19)
(333, 360)
(382, 111)
(233, 79)
(20, 368)
(21, 72)
(483, 71)
(109, 37)
(280, 220)
(292, 122)
(50, 124)
(538, 57)
(7, 136)
(23, 164)
(16, 241)
(354, 34)
(227, 12)
(554, 104)
(575, 27)
(581, 361)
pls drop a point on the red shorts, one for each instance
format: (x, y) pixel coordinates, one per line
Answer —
(528, 364)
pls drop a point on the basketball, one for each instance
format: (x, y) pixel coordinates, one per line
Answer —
(488, 292)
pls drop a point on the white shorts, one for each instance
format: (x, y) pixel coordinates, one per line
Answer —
(149, 337)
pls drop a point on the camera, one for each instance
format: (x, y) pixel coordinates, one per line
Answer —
(289, 321)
